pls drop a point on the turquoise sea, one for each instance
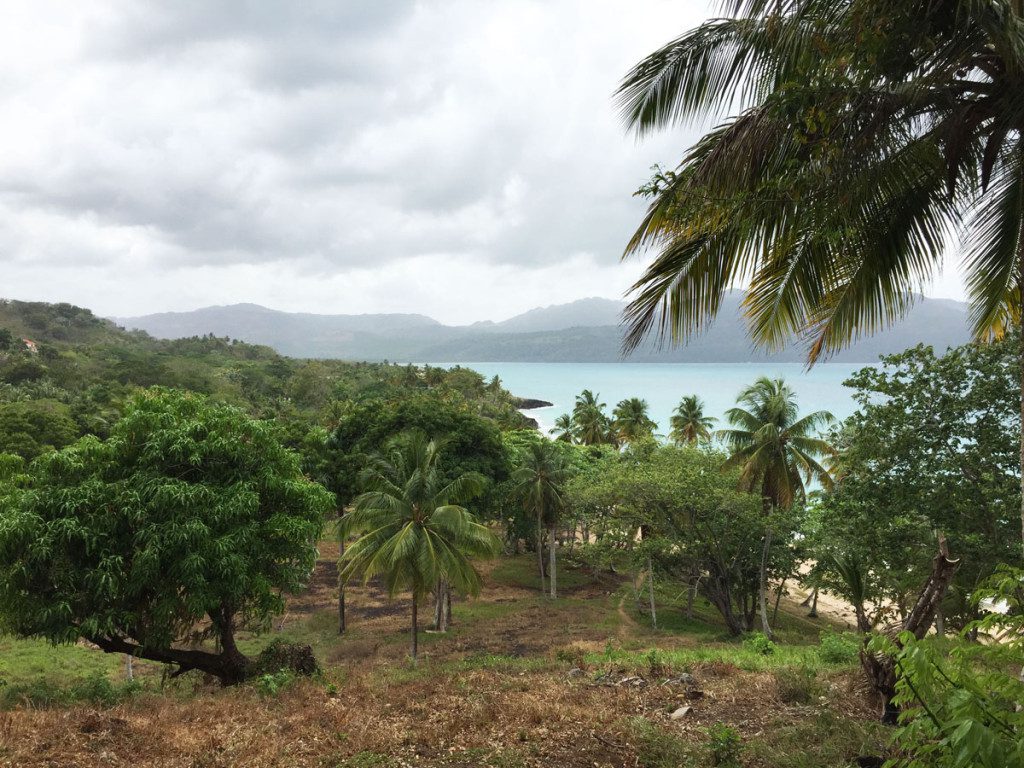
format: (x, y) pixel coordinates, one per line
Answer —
(664, 384)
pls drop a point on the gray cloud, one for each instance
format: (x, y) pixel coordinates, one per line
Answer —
(331, 156)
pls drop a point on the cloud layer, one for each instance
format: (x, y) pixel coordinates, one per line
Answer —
(453, 157)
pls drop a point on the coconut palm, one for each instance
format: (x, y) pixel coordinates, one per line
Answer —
(564, 430)
(630, 420)
(862, 132)
(415, 532)
(777, 453)
(592, 424)
(540, 481)
(689, 424)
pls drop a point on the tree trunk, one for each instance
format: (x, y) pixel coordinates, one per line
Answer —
(415, 639)
(341, 587)
(129, 669)
(762, 589)
(650, 592)
(940, 622)
(540, 552)
(778, 599)
(442, 605)
(692, 596)
(813, 613)
(1020, 256)
(881, 668)
(552, 554)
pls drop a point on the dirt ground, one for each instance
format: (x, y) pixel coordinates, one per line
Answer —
(499, 690)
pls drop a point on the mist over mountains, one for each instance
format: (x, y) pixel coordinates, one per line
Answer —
(582, 331)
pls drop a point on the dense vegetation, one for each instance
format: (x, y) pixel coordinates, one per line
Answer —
(175, 523)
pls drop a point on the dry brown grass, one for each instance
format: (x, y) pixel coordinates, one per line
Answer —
(459, 708)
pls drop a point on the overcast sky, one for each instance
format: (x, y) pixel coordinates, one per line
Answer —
(458, 158)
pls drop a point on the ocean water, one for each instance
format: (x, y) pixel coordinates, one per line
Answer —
(663, 385)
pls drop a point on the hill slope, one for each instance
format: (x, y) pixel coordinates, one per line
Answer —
(583, 331)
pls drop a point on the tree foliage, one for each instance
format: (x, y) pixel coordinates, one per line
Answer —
(190, 521)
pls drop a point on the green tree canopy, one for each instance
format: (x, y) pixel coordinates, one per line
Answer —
(190, 521)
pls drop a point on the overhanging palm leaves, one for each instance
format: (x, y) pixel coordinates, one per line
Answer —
(414, 529)
(862, 132)
(689, 423)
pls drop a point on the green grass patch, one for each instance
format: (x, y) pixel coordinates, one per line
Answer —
(521, 571)
(742, 656)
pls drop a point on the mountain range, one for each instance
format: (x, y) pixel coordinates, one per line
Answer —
(582, 331)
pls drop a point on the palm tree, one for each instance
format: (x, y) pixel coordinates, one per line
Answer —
(564, 430)
(862, 132)
(414, 531)
(540, 481)
(689, 424)
(592, 424)
(777, 454)
(630, 421)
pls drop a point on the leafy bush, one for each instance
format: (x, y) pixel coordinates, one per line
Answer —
(796, 685)
(272, 683)
(838, 647)
(759, 643)
(724, 745)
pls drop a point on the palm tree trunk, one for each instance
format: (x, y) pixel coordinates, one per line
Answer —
(341, 587)
(415, 646)
(1020, 256)
(552, 550)
(540, 552)
(762, 590)
(650, 592)
(778, 599)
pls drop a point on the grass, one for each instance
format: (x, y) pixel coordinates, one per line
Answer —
(521, 571)
(495, 691)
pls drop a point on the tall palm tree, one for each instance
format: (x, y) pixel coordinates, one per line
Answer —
(414, 530)
(564, 430)
(540, 481)
(862, 132)
(689, 423)
(777, 453)
(592, 424)
(631, 422)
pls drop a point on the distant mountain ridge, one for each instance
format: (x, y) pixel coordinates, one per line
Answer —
(579, 332)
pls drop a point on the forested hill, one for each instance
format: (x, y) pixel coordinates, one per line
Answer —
(583, 331)
(65, 372)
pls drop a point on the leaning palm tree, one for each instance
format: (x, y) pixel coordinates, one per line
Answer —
(540, 481)
(631, 422)
(689, 423)
(777, 453)
(861, 132)
(564, 429)
(415, 532)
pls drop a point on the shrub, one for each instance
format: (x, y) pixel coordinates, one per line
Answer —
(272, 683)
(725, 745)
(838, 647)
(759, 643)
(292, 657)
(796, 685)
(655, 663)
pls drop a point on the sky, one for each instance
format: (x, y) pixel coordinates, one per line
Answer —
(455, 158)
